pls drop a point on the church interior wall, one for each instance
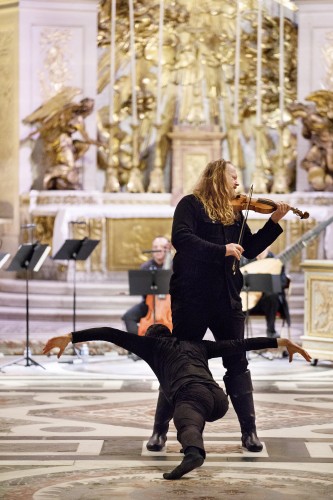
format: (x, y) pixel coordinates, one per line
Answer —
(53, 44)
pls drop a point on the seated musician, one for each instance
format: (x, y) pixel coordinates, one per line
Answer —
(270, 304)
(160, 250)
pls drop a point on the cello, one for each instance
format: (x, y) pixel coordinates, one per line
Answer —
(159, 306)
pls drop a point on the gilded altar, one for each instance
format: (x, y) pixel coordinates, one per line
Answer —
(126, 223)
(318, 314)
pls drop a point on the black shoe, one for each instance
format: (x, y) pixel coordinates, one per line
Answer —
(190, 462)
(134, 357)
(251, 442)
(156, 442)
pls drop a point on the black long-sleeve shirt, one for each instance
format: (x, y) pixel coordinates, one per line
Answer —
(201, 270)
(174, 362)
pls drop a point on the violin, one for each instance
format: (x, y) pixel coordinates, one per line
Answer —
(261, 205)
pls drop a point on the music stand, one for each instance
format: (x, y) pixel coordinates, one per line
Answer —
(75, 250)
(265, 283)
(149, 282)
(3, 258)
(29, 257)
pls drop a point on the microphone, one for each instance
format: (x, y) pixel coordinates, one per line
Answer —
(151, 251)
(28, 226)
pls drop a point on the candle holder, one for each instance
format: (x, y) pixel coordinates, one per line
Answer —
(235, 152)
(134, 184)
(280, 174)
(112, 184)
(259, 179)
(156, 182)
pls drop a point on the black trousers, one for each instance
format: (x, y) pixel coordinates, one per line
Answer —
(195, 405)
(191, 321)
(133, 315)
(269, 304)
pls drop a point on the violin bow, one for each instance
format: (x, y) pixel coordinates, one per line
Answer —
(241, 234)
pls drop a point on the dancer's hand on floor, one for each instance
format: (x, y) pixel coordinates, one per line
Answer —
(60, 342)
(293, 348)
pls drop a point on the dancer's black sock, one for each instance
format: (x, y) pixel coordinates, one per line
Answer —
(193, 459)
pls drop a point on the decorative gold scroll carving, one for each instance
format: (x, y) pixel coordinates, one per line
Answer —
(198, 79)
(44, 228)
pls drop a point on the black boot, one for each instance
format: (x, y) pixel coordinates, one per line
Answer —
(240, 390)
(194, 458)
(163, 415)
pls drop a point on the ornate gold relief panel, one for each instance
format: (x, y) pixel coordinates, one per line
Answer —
(127, 238)
(192, 150)
(93, 228)
(43, 230)
(320, 293)
(194, 164)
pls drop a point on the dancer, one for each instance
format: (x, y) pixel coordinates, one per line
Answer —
(182, 370)
(205, 288)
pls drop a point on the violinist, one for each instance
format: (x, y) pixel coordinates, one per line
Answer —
(205, 292)
(160, 251)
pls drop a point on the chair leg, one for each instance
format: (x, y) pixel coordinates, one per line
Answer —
(288, 329)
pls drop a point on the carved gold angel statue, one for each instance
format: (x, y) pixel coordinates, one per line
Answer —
(61, 140)
(317, 120)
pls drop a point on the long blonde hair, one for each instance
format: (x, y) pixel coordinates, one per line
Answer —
(213, 192)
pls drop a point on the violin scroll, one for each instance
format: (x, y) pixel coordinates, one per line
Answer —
(302, 215)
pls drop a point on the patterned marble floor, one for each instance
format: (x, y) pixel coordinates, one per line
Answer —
(77, 430)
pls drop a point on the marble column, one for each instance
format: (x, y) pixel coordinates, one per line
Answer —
(9, 143)
(45, 46)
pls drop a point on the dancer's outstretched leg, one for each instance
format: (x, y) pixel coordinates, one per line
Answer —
(192, 460)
